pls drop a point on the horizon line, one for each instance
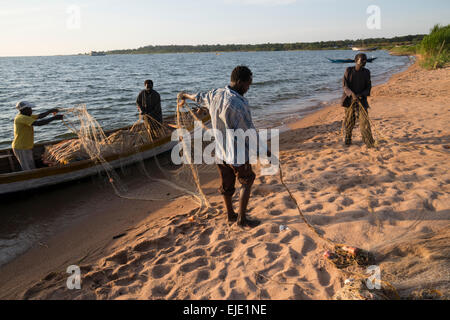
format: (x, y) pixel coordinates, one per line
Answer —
(204, 44)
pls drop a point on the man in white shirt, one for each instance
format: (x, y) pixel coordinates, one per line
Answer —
(230, 110)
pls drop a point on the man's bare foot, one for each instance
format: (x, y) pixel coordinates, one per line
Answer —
(248, 223)
(232, 217)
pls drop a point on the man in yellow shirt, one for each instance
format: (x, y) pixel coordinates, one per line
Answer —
(24, 133)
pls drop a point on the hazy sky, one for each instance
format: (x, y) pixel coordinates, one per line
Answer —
(50, 27)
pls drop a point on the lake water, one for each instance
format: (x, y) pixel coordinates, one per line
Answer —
(285, 83)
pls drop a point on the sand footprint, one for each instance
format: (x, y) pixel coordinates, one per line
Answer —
(160, 271)
(147, 245)
(204, 238)
(202, 275)
(223, 248)
(191, 266)
(314, 207)
(288, 237)
(120, 257)
(308, 245)
(275, 213)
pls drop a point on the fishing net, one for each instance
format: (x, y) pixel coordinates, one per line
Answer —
(344, 256)
(358, 290)
(92, 143)
(352, 113)
(116, 154)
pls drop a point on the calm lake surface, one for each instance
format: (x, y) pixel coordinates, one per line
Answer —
(285, 83)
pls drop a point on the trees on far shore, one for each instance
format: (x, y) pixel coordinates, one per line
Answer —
(322, 45)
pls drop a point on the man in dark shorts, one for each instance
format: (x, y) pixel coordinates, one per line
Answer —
(149, 103)
(230, 110)
(357, 87)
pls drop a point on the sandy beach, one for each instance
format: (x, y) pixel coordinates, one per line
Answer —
(392, 201)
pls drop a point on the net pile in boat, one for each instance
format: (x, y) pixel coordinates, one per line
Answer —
(93, 144)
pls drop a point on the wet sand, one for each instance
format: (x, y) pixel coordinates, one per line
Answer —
(393, 201)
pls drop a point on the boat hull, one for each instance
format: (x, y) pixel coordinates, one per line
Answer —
(44, 177)
(51, 176)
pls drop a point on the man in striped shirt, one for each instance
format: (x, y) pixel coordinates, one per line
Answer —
(230, 110)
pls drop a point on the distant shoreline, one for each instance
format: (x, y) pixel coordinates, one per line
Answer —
(381, 43)
(132, 51)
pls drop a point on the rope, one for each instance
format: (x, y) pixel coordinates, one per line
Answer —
(328, 241)
(301, 213)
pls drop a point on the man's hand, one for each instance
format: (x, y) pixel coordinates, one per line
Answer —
(354, 96)
(46, 113)
(181, 98)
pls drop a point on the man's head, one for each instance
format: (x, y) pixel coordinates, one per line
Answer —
(361, 59)
(25, 108)
(148, 85)
(241, 79)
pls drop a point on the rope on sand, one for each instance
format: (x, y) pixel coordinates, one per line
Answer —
(341, 249)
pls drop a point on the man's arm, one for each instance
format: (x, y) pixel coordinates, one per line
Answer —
(139, 102)
(44, 114)
(366, 92)
(39, 123)
(182, 96)
(347, 89)
(201, 98)
(158, 109)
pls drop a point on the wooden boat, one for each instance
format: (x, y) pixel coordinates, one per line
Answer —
(12, 179)
(370, 60)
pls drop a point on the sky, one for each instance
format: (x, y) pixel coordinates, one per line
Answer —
(58, 27)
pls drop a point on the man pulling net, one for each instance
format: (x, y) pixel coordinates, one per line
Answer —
(357, 87)
(229, 110)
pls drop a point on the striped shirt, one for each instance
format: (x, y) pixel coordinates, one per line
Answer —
(228, 110)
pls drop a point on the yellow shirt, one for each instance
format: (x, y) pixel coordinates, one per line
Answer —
(24, 132)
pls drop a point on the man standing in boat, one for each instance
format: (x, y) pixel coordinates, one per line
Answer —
(24, 133)
(357, 87)
(229, 110)
(149, 106)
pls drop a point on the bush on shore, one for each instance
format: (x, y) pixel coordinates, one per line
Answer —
(435, 48)
(405, 50)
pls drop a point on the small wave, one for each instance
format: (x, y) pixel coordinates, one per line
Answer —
(320, 89)
(273, 82)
